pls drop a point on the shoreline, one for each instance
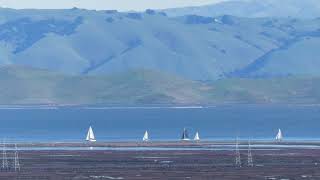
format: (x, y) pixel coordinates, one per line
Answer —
(147, 106)
(163, 145)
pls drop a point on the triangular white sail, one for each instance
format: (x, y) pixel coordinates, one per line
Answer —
(90, 135)
(279, 136)
(146, 137)
(197, 137)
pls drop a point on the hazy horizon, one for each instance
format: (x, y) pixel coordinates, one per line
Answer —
(121, 5)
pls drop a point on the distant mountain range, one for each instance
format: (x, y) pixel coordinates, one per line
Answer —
(193, 47)
(255, 9)
(29, 86)
(79, 56)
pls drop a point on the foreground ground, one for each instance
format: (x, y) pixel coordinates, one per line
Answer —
(272, 163)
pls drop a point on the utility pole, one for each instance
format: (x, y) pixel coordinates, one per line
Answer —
(16, 159)
(5, 164)
(238, 158)
(250, 159)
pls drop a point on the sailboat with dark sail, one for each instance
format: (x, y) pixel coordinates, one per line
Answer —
(185, 135)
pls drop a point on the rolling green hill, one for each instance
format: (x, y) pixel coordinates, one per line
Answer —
(83, 42)
(21, 85)
(289, 90)
(26, 86)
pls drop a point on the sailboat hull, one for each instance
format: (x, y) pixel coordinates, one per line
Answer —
(91, 140)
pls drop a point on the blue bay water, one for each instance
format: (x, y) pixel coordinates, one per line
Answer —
(129, 124)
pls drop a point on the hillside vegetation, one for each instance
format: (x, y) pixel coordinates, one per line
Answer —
(83, 42)
(25, 86)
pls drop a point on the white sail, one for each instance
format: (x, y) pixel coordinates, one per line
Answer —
(146, 136)
(90, 135)
(197, 137)
(279, 136)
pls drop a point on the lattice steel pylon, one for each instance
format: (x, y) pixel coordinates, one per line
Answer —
(238, 157)
(5, 164)
(250, 159)
(16, 164)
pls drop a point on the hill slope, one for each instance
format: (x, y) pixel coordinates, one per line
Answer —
(25, 86)
(22, 85)
(82, 42)
(308, 9)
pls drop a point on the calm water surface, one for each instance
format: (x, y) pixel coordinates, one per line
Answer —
(122, 124)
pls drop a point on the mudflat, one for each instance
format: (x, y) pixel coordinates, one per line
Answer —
(277, 162)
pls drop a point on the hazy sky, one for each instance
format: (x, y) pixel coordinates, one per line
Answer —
(103, 4)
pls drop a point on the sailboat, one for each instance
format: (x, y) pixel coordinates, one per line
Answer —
(197, 137)
(185, 135)
(146, 137)
(90, 135)
(279, 136)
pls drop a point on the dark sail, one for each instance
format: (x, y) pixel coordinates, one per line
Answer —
(185, 135)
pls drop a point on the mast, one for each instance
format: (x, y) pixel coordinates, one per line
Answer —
(146, 137)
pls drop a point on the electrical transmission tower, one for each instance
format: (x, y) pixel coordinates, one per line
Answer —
(250, 159)
(16, 164)
(5, 164)
(238, 158)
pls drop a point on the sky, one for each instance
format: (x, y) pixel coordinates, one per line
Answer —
(121, 5)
